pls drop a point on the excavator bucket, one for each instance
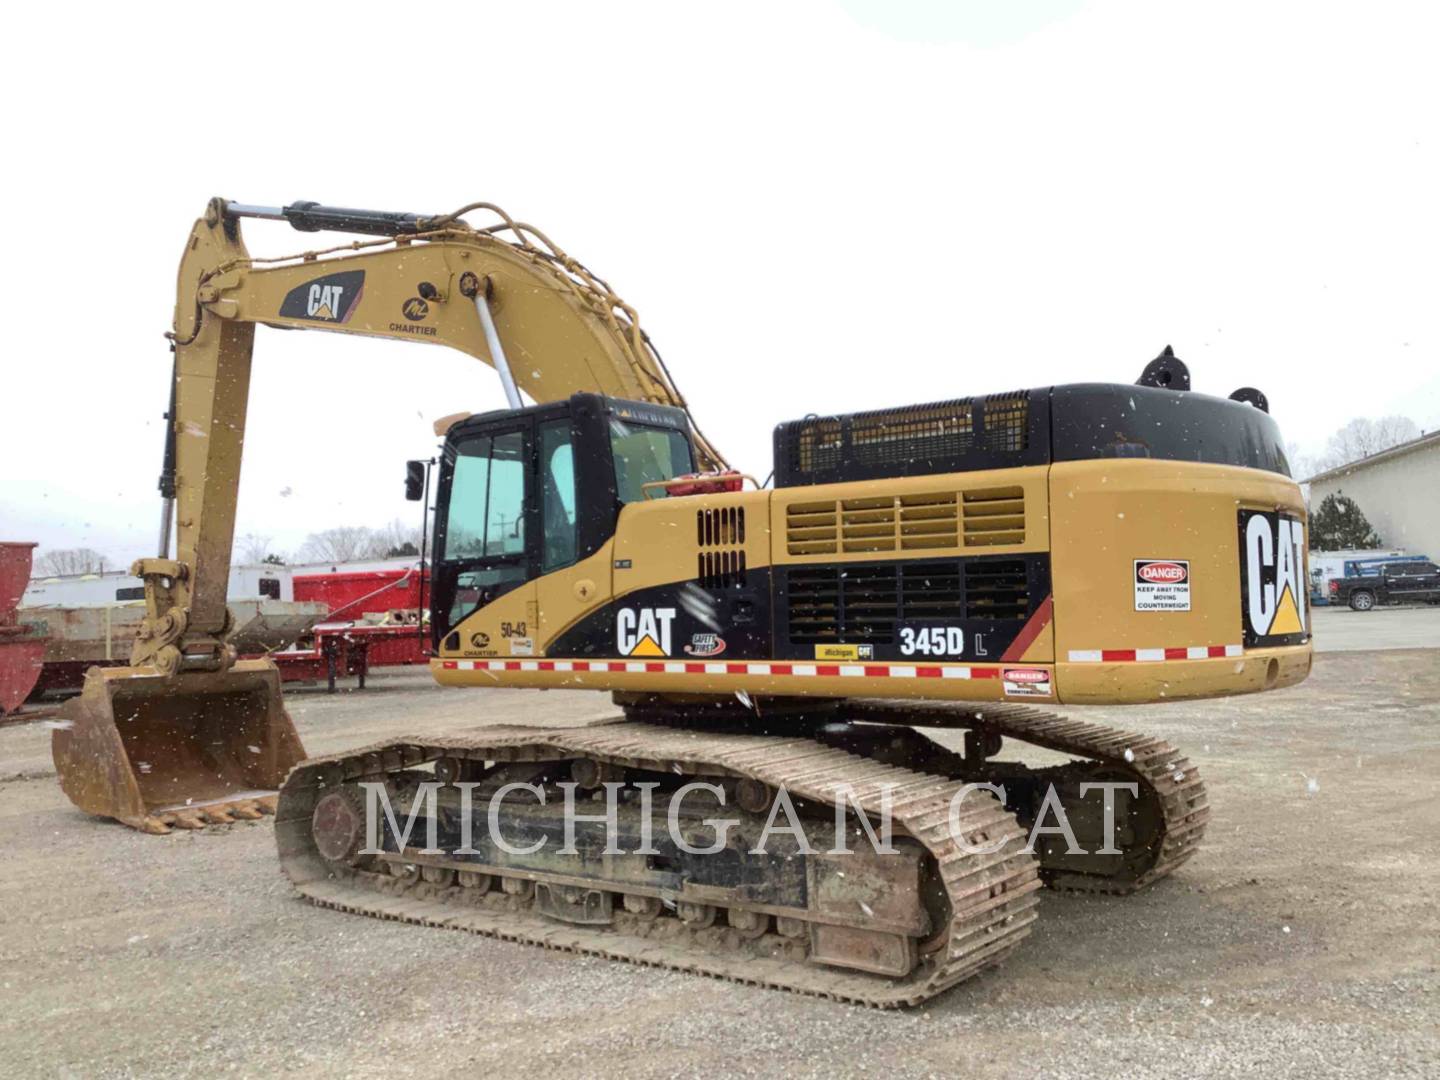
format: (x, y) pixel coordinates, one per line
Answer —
(158, 752)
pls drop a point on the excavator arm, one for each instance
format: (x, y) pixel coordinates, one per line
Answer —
(434, 281)
(187, 733)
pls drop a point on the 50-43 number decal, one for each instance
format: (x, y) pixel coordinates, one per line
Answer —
(932, 640)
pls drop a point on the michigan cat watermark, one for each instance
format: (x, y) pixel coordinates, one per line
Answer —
(874, 824)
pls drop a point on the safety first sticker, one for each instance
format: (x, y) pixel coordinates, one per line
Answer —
(1162, 584)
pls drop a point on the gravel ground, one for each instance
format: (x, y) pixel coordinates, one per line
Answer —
(1301, 941)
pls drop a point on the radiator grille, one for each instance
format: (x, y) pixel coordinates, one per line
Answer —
(1006, 423)
(863, 602)
(843, 603)
(997, 589)
(933, 591)
(948, 436)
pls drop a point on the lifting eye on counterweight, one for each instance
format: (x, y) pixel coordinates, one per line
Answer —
(1168, 372)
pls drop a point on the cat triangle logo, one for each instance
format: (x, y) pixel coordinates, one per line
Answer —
(647, 646)
(1287, 615)
(324, 312)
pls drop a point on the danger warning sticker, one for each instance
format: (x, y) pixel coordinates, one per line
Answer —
(1162, 584)
(1026, 682)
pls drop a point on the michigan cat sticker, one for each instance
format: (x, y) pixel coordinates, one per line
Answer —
(1273, 597)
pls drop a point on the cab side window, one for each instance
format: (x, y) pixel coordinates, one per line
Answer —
(557, 495)
(645, 454)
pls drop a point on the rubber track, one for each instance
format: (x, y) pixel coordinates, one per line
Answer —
(1153, 762)
(992, 897)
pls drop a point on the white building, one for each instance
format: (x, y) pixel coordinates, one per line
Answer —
(1398, 490)
(118, 587)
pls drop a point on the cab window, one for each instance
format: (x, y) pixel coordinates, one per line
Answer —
(487, 498)
(644, 454)
(483, 556)
(557, 495)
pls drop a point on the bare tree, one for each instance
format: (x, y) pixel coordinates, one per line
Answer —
(1302, 464)
(1362, 437)
(394, 540)
(344, 543)
(63, 561)
(252, 548)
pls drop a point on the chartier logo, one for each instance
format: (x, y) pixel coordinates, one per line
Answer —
(643, 631)
(415, 309)
(1272, 571)
(332, 298)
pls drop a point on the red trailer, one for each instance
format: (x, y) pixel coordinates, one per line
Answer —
(355, 589)
(332, 650)
(22, 645)
(348, 643)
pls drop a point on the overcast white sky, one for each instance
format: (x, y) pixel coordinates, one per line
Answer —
(816, 207)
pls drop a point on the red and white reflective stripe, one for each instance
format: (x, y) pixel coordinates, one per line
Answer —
(695, 667)
(1182, 652)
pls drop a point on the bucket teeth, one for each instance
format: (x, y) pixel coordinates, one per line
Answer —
(188, 819)
(199, 817)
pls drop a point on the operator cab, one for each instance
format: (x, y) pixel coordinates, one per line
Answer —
(526, 492)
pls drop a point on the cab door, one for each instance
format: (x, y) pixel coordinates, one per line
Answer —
(487, 550)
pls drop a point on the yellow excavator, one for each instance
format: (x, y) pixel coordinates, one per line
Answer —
(963, 565)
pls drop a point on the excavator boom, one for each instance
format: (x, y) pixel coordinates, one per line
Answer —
(187, 733)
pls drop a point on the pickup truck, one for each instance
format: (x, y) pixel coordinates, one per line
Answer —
(1396, 583)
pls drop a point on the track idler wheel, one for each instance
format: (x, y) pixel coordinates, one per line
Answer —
(338, 826)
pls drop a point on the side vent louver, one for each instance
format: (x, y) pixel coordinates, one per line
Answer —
(928, 521)
(994, 516)
(938, 520)
(720, 529)
(811, 529)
